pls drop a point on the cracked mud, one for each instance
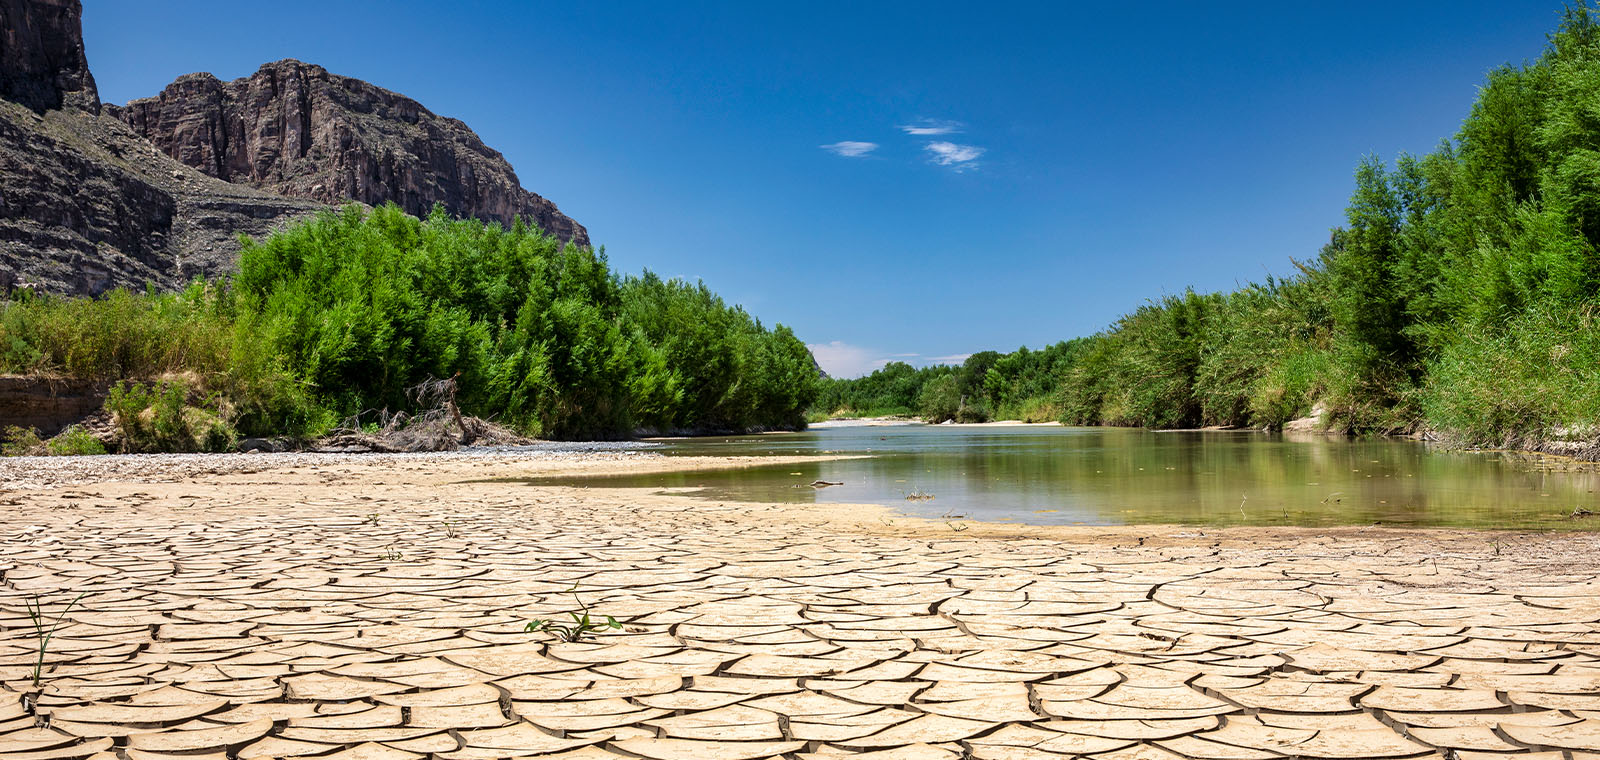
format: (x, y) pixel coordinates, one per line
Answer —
(375, 608)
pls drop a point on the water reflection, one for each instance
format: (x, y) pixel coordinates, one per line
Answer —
(1110, 475)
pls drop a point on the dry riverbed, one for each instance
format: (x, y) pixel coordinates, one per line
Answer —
(374, 606)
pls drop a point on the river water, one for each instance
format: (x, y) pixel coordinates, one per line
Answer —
(1046, 474)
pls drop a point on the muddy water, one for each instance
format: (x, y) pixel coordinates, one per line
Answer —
(1111, 476)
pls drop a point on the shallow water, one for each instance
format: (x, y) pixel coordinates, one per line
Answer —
(1114, 475)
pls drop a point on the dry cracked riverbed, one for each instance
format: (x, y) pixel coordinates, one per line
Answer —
(374, 608)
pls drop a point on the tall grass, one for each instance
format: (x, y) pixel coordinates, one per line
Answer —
(189, 336)
(1536, 380)
(121, 335)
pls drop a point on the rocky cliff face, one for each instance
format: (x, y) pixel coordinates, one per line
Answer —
(295, 129)
(42, 65)
(46, 404)
(87, 205)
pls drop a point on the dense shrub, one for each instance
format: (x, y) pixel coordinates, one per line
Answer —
(714, 367)
(893, 390)
(934, 394)
(940, 399)
(17, 441)
(1536, 379)
(74, 441)
(1265, 356)
(161, 417)
(342, 313)
(152, 335)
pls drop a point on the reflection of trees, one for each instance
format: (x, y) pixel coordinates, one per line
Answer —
(1099, 474)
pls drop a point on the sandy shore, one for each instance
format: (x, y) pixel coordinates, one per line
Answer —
(374, 606)
(910, 421)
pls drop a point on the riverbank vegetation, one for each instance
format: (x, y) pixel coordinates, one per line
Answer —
(1460, 296)
(338, 316)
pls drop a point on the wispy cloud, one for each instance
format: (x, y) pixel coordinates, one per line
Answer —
(930, 127)
(850, 148)
(951, 359)
(953, 155)
(840, 359)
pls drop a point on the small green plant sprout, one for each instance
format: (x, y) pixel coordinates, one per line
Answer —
(957, 527)
(391, 554)
(42, 635)
(580, 625)
(372, 519)
(449, 528)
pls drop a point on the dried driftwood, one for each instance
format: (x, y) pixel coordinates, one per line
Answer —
(439, 425)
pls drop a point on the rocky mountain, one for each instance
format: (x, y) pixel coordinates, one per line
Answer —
(41, 52)
(89, 203)
(295, 129)
(85, 204)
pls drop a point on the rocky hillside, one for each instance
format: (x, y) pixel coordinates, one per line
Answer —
(42, 65)
(85, 204)
(88, 203)
(295, 129)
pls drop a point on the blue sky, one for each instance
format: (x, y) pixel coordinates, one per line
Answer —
(900, 181)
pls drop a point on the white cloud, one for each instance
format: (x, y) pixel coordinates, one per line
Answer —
(927, 127)
(850, 148)
(840, 359)
(952, 154)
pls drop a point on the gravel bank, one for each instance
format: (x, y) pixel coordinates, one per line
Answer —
(25, 473)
